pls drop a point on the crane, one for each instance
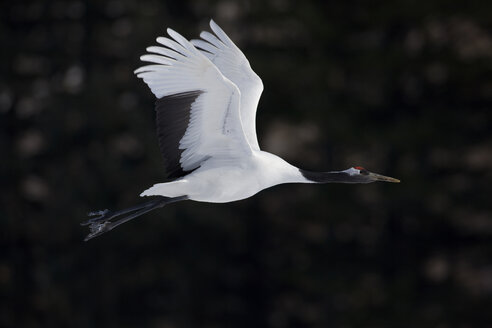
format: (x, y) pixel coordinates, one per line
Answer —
(207, 95)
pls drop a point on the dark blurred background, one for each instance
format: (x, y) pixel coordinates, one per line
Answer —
(403, 88)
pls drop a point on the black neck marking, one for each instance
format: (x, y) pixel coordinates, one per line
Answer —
(333, 177)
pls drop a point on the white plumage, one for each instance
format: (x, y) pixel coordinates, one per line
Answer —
(220, 139)
(207, 95)
(215, 128)
(232, 63)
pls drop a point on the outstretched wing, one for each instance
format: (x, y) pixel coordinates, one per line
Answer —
(232, 63)
(197, 108)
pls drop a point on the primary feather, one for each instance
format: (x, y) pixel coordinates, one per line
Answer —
(234, 65)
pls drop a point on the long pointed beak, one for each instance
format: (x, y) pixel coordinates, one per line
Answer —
(379, 177)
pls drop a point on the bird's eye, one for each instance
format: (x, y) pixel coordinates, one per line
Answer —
(362, 170)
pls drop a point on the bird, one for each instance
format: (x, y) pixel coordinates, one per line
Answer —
(207, 95)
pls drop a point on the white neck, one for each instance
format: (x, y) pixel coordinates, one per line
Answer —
(275, 170)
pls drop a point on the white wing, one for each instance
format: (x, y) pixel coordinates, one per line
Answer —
(197, 107)
(232, 63)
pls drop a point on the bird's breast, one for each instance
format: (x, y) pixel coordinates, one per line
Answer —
(218, 183)
(222, 184)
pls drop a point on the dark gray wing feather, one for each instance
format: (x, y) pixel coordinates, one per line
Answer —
(172, 118)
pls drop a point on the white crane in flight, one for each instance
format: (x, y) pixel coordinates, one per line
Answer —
(207, 96)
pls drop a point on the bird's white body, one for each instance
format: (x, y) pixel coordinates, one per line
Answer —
(215, 183)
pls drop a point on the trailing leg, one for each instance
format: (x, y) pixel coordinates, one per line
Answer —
(102, 223)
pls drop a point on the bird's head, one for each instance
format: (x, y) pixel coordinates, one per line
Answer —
(359, 174)
(356, 174)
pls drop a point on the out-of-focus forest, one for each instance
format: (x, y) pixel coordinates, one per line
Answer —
(403, 88)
